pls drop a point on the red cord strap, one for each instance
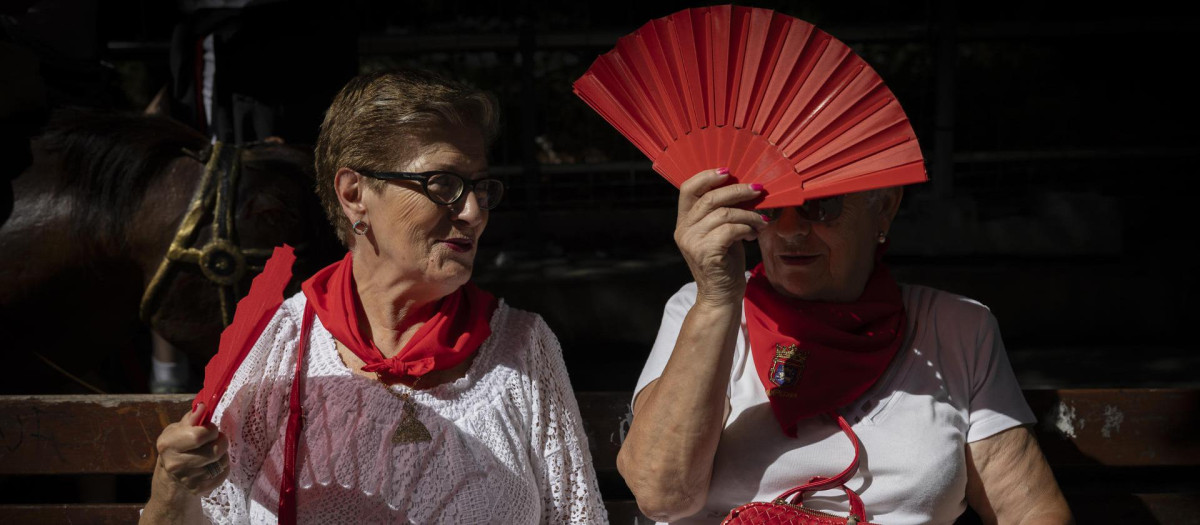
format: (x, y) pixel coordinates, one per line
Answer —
(821, 483)
(295, 422)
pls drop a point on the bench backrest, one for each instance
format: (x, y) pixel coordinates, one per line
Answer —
(1110, 441)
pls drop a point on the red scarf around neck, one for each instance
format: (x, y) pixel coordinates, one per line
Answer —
(813, 357)
(453, 332)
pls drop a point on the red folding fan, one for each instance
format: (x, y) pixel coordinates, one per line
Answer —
(253, 314)
(776, 100)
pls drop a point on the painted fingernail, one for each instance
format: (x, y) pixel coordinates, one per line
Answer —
(756, 187)
(765, 218)
(722, 171)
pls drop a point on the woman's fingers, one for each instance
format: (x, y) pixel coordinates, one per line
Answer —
(705, 205)
(191, 455)
(727, 234)
(178, 437)
(694, 188)
(716, 199)
(722, 216)
(202, 479)
(193, 416)
(211, 476)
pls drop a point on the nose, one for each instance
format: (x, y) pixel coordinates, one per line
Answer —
(468, 210)
(791, 224)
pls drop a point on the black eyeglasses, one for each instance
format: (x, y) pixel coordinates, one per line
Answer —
(447, 187)
(816, 210)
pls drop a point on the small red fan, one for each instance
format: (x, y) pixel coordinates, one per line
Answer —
(253, 314)
(776, 100)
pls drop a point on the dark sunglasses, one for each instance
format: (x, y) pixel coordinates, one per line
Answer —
(816, 210)
(447, 187)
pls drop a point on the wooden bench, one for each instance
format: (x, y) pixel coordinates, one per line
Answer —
(1128, 456)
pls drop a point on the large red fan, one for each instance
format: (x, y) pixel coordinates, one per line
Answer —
(769, 96)
(253, 314)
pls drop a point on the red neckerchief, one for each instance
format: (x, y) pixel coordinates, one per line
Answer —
(813, 357)
(454, 331)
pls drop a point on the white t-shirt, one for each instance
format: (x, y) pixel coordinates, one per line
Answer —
(950, 384)
(508, 446)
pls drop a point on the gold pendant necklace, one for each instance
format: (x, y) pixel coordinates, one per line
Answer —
(410, 429)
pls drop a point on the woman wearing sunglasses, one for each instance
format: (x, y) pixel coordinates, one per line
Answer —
(752, 372)
(422, 398)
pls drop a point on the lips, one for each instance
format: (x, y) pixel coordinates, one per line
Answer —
(798, 259)
(460, 244)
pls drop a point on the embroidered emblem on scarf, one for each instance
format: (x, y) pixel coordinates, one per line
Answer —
(786, 368)
(813, 357)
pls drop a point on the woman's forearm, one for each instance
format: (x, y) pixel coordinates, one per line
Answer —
(667, 455)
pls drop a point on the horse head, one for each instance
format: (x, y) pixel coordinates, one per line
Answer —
(249, 200)
(99, 211)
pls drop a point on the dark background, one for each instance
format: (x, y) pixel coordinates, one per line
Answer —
(1058, 136)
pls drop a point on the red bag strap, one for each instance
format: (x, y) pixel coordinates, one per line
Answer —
(857, 510)
(295, 422)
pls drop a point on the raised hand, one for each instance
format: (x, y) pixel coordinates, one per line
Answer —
(708, 230)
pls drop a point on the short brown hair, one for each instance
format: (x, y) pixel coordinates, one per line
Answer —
(376, 114)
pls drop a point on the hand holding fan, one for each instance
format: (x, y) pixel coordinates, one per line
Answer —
(253, 314)
(776, 100)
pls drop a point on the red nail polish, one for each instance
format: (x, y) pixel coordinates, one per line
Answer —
(756, 187)
(722, 171)
(764, 217)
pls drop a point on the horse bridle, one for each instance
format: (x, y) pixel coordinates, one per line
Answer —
(221, 260)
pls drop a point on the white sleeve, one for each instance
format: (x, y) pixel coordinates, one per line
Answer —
(997, 403)
(250, 414)
(674, 312)
(559, 447)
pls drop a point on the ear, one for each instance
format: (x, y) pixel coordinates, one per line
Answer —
(888, 206)
(350, 189)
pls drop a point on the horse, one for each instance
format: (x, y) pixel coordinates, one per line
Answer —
(127, 227)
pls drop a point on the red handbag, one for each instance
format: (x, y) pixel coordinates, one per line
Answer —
(780, 511)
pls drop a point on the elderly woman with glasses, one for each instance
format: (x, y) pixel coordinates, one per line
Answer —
(423, 399)
(757, 378)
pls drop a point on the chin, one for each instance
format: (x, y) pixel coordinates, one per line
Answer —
(453, 275)
(797, 288)
(795, 292)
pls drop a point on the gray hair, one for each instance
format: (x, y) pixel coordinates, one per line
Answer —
(373, 120)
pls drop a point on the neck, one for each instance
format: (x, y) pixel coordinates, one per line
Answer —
(394, 305)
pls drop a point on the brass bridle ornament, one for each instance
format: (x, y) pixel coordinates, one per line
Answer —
(221, 260)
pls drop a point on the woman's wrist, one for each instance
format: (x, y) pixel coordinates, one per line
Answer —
(169, 501)
(717, 305)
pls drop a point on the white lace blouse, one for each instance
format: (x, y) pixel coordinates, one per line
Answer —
(508, 446)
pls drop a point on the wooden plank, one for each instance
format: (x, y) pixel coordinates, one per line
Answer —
(1076, 427)
(116, 434)
(112, 434)
(107, 514)
(1118, 427)
(65, 434)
